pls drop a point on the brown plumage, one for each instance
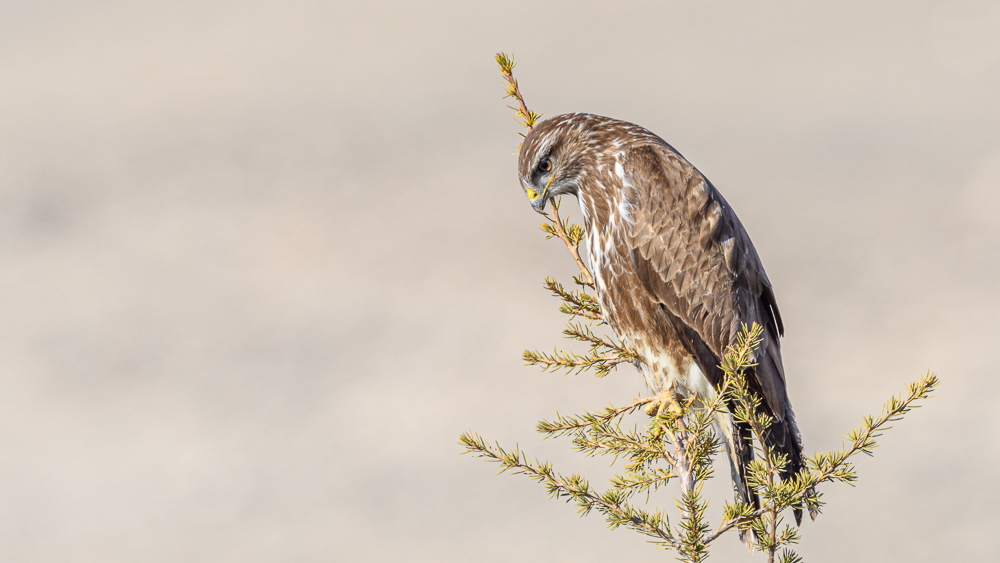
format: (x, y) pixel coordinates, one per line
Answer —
(676, 273)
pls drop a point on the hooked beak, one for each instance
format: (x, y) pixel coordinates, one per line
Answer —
(538, 200)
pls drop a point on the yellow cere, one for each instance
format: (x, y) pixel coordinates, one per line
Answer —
(532, 194)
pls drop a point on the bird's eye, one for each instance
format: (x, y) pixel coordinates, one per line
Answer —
(545, 165)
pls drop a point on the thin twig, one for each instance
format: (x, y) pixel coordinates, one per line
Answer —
(507, 65)
(730, 524)
(587, 419)
(475, 444)
(573, 249)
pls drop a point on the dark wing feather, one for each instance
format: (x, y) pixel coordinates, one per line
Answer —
(692, 253)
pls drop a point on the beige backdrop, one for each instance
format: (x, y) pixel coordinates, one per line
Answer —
(261, 264)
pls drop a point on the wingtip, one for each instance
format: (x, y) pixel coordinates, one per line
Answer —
(813, 513)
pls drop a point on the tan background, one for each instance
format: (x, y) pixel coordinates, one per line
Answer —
(260, 264)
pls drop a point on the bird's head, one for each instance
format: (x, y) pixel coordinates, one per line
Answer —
(553, 157)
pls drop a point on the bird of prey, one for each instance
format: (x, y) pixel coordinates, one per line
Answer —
(675, 271)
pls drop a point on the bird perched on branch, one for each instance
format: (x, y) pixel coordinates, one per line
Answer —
(674, 270)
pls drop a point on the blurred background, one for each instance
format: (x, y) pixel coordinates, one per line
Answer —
(262, 263)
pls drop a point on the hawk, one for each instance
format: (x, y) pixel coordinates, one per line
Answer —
(675, 271)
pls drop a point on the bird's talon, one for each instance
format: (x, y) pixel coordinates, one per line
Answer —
(665, 401)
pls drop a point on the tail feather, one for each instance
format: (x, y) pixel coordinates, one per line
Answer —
(783, 438)
(744, 454)
(740, 455)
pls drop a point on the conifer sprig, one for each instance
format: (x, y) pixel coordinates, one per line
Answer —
(833, 465)
(573, 423)
(575, 303)
(572, 362)
(571, 235)
(523, 115)
(604, 355)
(612, 503)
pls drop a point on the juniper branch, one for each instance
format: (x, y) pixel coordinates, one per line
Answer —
(612, 503)
(575, 303)
(601, 363)
(693, 524)
(604, 354)
(507, 64)
(567, 424)
(744, 515)
(833, 466)
(571, 236)
(581, 333)
(603, 439)
(643, 480)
